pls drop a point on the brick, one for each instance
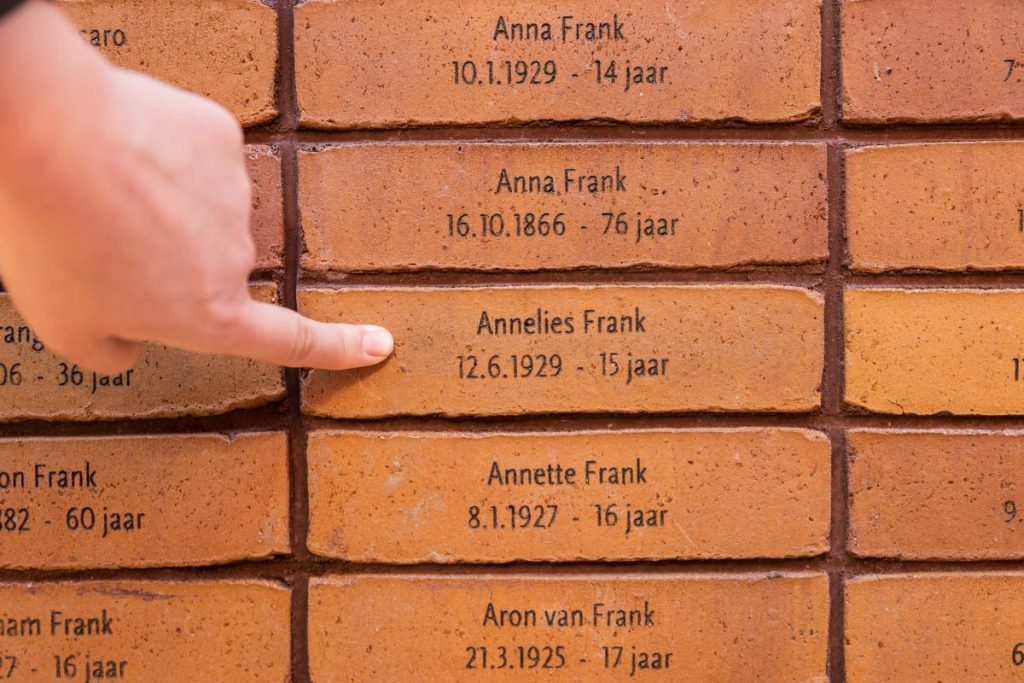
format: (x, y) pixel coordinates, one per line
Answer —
(473, 628)
(158, 632)
(675, 205)
(934, 627)
(929, 351)
(37, 384)
(264, 164)
(223, 49)
(363, 64)
(945, 60)
(419, 497)
(679, 348)
(936, 495)
(957, 207)
(142, 501)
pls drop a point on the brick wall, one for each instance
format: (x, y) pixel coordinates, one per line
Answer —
(707, 365)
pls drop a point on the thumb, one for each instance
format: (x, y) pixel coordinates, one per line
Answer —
(283, 337)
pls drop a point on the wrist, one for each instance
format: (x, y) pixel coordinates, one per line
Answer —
(51, 83)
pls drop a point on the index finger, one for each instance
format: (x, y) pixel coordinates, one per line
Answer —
(283, 337)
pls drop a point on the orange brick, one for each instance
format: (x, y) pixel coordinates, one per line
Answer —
(934, 627)
(36, 384)
(943, 60)
(711, 629)
(526, 207)
(142, 501)
(402, 62)
(418, 497)
(158, 632)
(516, 350)
(264, 165)
(928, 351)
(223, 49)
(936, 495)
(955, 207)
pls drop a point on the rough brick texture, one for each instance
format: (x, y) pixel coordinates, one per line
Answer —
(363, 64)
(142, 501)
(534, 207)
(944, 60)
(408, 498)
(610, 628)
(954, 207)
(494, 351)
(934, 627)
(927, 351)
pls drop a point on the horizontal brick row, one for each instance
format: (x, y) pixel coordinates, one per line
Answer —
(701, 348)
(412, 498)
(585, 349)
(692, 627)
(742, 627)
(483, 206)
(458, 497)
(397, 63)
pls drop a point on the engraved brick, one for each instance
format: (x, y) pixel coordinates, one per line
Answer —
(401, 62)
(931, 495)
(158, 632)
(142, 501)
(264, 166)
(223, 49)
(955, 206)
(419, 497)
(556, 206)
(516, 350)
(601, 628)
(36, 384)
(929, 351)
(934, 627)
(944, 60)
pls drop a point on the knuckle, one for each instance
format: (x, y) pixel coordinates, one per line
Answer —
(246, 255)
(69, 346)
(110, 363)
(223, 321)
(304, 343)
(244, 189)
(103, 357)
(238, 255)
(232, 131)
(223, 125)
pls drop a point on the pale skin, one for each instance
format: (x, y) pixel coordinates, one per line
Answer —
(124, 215)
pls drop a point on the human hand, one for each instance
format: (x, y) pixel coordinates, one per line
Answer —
(124, 215)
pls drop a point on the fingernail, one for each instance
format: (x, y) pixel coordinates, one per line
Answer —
(378, 342)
